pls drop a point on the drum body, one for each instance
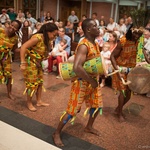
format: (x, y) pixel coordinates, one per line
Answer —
(140, 79)
(93, 67)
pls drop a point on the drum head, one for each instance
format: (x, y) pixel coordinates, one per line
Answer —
(140, 79)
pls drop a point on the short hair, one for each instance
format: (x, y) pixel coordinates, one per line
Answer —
(86, 23)
(94, 14)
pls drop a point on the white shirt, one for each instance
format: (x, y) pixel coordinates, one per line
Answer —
(111, 26)
(4, 18)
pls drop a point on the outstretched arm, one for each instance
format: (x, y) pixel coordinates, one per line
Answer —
(114, 55)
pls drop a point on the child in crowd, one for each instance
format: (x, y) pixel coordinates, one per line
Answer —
(106, 55)
(59, 50)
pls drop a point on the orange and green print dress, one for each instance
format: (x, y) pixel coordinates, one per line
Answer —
(81, 91)
(33, 74)
(127, 59)
(6, 45)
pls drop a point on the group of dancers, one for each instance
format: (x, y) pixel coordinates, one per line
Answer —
(85, 88)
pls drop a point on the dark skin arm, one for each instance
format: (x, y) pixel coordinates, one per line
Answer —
(79, 61)
(146, 57)
(114, 55)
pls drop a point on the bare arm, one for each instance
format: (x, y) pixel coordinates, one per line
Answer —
(114, 55)
(24, 47)
(80, 59)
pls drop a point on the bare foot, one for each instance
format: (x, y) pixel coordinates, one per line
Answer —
(121, 118)
(92, 131)
(11, 96)
(31, 107)
(42, 104)
(57, 140)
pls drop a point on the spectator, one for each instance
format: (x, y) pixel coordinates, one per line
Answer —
(32, 20)
(111, 25)
(61, 36)
(48, 18)
(83, 18)
(94, 17)
(37, 27)
(12, 14)
(4, 17)
(73, 18)
(79, 35)
(43, 16)
(121, 27)
(26, 23)
(20, 17)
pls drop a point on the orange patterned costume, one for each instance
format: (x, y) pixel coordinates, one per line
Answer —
(82, 91)
(33, 73)
(127, 59)
(6, 45)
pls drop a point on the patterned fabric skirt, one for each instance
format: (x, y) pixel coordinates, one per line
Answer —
(33, 77)
(117, 84)
(5, 70)
(81, 91)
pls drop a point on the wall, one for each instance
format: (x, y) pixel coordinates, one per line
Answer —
(101, 8)
(50, 5)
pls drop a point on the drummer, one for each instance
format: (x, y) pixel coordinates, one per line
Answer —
(124, 55)
(146, 50)
(85, 88)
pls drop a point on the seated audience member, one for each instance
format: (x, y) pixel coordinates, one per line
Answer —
(79, 35)
(4, 17)
(48, 18)
(106, 55)
(61, 36)
(59, 50)
(94, 17)
(121, 27)
(37, 27)
(69, 29)
(83, 18)
(111, 25)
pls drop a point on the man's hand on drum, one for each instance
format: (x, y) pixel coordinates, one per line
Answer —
(94, 83)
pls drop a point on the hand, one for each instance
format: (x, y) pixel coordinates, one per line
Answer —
(94, 83)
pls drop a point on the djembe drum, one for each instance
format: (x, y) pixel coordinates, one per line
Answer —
(94, 67)
(140, 79)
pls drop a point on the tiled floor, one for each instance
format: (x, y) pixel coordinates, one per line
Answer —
(130, 135)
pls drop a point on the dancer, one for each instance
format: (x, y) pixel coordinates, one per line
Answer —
(124, 55)
(32, 53)
(85, 88)
(8, 39)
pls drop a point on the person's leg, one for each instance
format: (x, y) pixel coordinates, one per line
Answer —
(50, 63)
(118, 110)
(59, 60)
(38, 96)
(89, 127)
(9, 88)
(29, 103)
(56, 135)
